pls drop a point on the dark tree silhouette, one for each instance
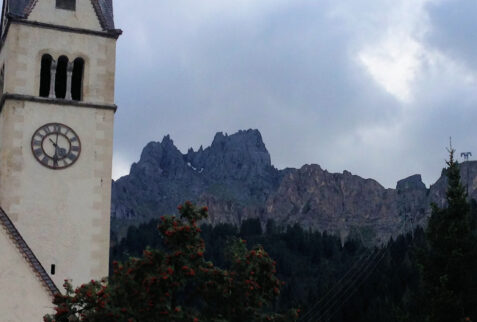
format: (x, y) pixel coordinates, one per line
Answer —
(449, 261)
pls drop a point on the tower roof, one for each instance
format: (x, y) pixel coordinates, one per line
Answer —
(103, 8)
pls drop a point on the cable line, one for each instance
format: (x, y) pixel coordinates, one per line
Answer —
(337, 285)
(366, 275)
(363, 273)
(342, 284)
(315, 316)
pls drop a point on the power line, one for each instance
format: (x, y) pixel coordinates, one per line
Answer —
(360, 283)
(364, 264)
(337, 286)
(317, 315)
(341, 285)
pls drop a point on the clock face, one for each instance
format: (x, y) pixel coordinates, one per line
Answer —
(56, 146)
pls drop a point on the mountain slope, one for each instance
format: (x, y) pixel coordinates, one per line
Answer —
(235, 178)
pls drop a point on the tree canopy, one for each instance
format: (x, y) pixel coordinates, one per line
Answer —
(178, 284)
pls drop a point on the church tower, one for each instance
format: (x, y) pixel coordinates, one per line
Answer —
(57, 71)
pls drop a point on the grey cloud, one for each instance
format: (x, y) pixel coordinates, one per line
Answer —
(290, 71)
(453, 29)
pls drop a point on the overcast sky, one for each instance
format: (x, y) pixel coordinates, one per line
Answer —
(375, 87)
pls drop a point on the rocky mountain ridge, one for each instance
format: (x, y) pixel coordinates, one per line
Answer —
(235, 178)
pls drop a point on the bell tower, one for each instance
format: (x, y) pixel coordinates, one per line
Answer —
(57, 71)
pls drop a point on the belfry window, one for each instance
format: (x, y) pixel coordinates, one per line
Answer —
(45, 75)
(66, 4)
(77, 79)
(61, 77)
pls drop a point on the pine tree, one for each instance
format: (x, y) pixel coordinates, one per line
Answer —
(449, 261)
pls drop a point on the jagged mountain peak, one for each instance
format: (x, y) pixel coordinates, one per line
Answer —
(240, 156)
(411, 183)
(230, 153)
(158, 158)
(249, 140)
(236, 166)
(157, 148)
(167, 141)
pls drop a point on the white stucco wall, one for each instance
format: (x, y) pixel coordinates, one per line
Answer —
(22, 296)
(83, 17)
(62, 214)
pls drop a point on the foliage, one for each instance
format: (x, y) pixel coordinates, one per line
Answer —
(178, 284)
(449, 261)
(311, 263)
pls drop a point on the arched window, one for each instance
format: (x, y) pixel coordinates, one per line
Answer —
(61, 77)
(77, 80)
(45, 75)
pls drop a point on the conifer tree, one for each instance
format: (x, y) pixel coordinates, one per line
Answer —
(449, 262)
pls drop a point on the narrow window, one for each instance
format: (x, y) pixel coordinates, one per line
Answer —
(66, 4)
(77, 80)
(45, 75)
(2, 79)
(61, 77)
(53, 269)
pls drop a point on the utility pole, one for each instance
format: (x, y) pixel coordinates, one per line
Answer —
(466, 156)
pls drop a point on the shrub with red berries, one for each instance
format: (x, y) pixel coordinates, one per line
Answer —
(179, 284)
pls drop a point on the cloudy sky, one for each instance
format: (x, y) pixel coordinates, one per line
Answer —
(375, 87)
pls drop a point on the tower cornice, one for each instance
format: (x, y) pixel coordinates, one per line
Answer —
(45, 100)
(113, 34)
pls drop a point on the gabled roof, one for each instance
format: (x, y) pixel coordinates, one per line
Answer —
(103, 8)
(27, 253)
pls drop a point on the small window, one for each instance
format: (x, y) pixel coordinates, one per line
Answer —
(45, 75)
(77, 80)
(66, 4)
(61, 76)
(53, 269)
(2, 79)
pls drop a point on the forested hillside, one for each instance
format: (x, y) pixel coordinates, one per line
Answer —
(311, 264)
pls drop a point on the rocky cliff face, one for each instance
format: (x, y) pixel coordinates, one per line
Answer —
(234, 177)
(338, 203)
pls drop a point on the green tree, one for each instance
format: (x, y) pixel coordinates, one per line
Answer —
(448, 263)
(179, 284)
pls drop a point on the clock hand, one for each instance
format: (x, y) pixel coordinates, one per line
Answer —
(56, 149)
(55, 157)
(54, 144)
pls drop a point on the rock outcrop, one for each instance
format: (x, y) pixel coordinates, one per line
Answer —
(235, 178)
